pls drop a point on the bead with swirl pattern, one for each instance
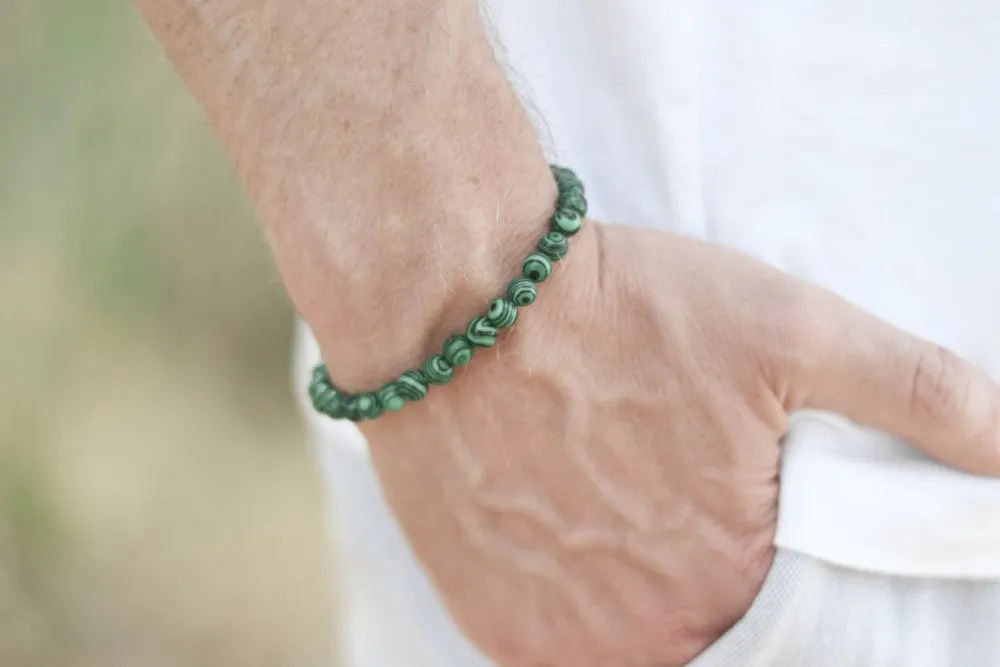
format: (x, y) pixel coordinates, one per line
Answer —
(574, 200)
(369, 406)
(437, 370)
(390, 399)
(502, 314)
(412, 385)
(522, 292)
(554, 245)
(537, 267)
(481, 333)
(458, 351)
(566, 221)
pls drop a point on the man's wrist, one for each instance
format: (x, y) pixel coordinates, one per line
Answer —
(428, 293)
(393, 166)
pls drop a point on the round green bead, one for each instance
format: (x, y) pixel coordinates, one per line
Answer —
(412, 385)
(537, 267)
(481, 333)
(566, 221)
(565, 178)
(502, 314)
(320, 382)
(458, 351)
(522, 292)
(351, 410)
(329, 402)
(573, 200)
(369, 407)
(390, 399)
(437, 370)
(320, 395)
(554, 245)
(316, 388)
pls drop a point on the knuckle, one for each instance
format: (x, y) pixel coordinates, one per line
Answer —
(800, 329)
(786, 314)
(940, 384)
(797, 313)
(804, 328)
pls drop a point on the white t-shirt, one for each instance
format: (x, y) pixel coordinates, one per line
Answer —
(853, 143)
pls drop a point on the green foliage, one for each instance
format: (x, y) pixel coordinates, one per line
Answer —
(123, 235)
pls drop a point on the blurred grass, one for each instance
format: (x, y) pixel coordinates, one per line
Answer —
(157, 503)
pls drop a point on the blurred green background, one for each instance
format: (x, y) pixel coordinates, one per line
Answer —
(158, 505)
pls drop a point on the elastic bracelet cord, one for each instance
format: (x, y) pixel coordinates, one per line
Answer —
(482, 332)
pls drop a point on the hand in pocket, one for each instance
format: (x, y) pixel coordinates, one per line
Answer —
(601, 491)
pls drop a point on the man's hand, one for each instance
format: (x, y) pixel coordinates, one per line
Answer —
(601, 490)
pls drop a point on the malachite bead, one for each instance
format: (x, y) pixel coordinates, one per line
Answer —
(437, 370)
(390, 399)
(481, 333)
(537, 267)
(412, 385)
(320, 382)
(351, 410)
(573, 200)
(315, 390)
(317, 393)
(369, 407)
(328, 402)
(565, 178)
(566, 221)
(458, 351)
(502, 314)
(554, 245)
(522, 292)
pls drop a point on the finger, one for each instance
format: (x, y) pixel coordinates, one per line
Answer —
(876, 374)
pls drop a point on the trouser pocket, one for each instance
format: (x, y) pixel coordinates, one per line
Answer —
(761, 638)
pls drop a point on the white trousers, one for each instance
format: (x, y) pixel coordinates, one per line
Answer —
(809, 614)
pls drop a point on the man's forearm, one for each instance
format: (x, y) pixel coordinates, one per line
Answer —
(391, 163)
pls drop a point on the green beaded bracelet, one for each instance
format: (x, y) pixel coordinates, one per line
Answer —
(483, 330)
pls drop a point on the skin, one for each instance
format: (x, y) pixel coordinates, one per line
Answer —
(600, 490)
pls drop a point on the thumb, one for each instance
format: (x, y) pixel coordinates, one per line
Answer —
(870, 371)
